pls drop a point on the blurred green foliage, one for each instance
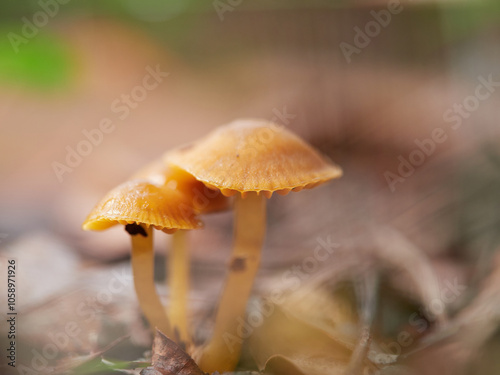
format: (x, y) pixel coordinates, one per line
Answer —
(464, 18)
(44, 62)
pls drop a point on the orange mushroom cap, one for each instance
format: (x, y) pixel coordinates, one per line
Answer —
(254, 156)
(142, 202)
(203, 199)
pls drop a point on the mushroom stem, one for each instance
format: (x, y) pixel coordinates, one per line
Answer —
(178, 281)
(143, 270)
(223, 351)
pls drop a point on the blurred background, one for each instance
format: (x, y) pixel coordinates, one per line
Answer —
(405, 96)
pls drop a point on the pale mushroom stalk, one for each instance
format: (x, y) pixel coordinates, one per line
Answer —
(223, 350)
(178, 281)
(143, 271)
(198, 199)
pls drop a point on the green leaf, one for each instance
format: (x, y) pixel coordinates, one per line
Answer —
(102, 365)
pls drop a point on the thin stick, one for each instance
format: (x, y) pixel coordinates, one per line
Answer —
(178, 281)
(223, 351)
(143, 270)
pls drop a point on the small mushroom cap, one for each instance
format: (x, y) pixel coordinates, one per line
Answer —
(204, 200)
(254, 156)
(155, 172)
(142, 202)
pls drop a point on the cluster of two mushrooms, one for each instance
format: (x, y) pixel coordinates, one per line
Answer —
(166, 199)
(167, 196)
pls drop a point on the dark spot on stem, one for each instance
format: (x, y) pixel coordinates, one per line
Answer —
(238, 264)
(134, 229)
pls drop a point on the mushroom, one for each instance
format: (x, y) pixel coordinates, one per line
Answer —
(201, 200)
(141, 205)
(250, 159)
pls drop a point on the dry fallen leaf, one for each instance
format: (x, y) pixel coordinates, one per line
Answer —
(334, 313)
(322, 329)
(170, 359)
(283, 343)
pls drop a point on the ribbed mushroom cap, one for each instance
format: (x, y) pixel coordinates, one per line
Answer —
(203, 199)
(254, 156)
(142, 202)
